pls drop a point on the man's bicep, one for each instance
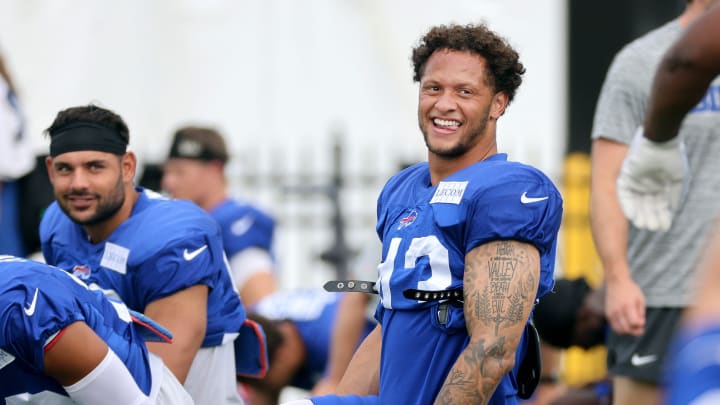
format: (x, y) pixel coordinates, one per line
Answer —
(73, 353)
(184, 314)
(500, 282)
(188, 305)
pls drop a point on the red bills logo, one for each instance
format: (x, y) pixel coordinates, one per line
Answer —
(82, 272)
(408, 220)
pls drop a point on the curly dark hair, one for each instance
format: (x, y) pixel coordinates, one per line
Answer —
(90, 113)
(504, 69)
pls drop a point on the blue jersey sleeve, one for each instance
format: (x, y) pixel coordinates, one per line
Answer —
(259, 236)
(693, 370)
(32, 314)
(48, 224)
(182, 264)
(511, 202)
(528, 211)
(244, 226)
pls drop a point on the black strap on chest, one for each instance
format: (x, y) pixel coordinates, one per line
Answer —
(454, 295)
(351, 286)
(370, 287)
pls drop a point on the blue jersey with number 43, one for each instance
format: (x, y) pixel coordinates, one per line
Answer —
(426, 232)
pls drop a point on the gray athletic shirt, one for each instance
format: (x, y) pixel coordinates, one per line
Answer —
(663, 263)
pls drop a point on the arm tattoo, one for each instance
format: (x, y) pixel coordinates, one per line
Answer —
(461, 384)
(500, 282)
(458, 384)
(497, 304)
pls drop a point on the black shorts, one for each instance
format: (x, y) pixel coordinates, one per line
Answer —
(642, 358)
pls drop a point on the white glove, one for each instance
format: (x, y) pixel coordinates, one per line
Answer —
(652, 181)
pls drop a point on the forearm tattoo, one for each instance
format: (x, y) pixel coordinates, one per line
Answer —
(461, 385)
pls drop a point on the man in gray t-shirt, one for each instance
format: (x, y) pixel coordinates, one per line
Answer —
(648, 274)
(648, 188)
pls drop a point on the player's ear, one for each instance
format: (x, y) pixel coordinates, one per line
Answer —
(128, 165)
(48, 166)
(498, 104)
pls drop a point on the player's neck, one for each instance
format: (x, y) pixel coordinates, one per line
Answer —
(101, 231)
(213, 198)
(442, 167)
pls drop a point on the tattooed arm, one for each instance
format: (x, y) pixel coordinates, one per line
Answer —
(500, 283)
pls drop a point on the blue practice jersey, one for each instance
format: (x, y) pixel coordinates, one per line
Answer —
(693, 372)
(164, 247)
(426, 232)
(38, 301)
(313, 314)
(243, 226)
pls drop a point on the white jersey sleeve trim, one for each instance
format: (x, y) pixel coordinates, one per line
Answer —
(709, 398)
(249, 262)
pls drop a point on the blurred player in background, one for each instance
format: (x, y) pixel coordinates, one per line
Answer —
(648, 267)
(195, 170)
(16, 159)
(573, 314)
(161, 257)
(651, 183)
(62, 343)
(300, 326)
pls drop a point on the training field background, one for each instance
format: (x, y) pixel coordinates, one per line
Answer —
(285, 81)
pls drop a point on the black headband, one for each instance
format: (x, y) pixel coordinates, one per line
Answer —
(83, 135)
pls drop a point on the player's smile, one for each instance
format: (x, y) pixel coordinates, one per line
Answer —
(80, 199)
(444, 132)
(80, 202)
(446, 125)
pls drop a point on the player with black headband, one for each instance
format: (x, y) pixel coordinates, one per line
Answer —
(161, 257)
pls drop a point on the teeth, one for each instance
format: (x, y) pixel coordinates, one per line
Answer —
(446, 123)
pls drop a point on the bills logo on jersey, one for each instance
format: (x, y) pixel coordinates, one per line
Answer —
(408, 220)
(82, 272)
